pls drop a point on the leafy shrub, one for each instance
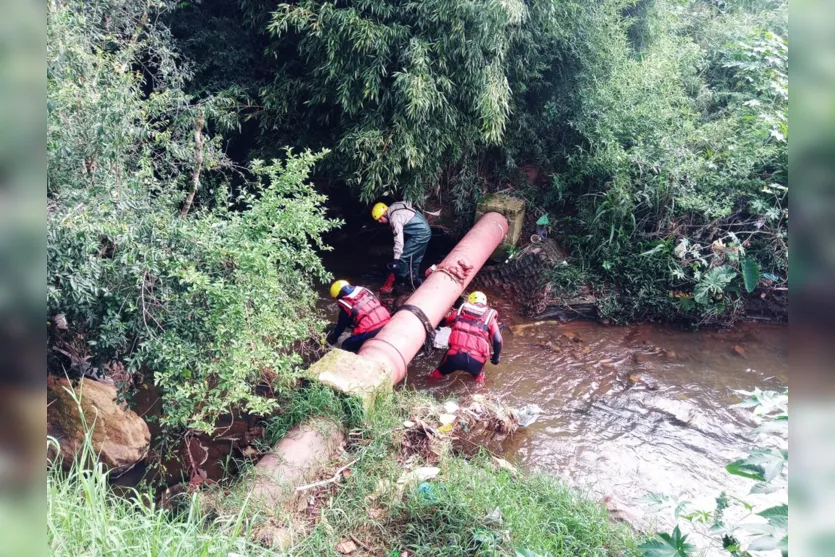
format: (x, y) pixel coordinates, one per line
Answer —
(684, 145)
(86, 515)
(212, 298)
(413, 87)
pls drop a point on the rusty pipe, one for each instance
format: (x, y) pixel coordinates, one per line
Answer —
(398, 342)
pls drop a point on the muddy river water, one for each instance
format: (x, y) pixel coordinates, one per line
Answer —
(628, 410)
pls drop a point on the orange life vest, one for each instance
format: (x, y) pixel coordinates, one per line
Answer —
(366, 311)
(471, 331)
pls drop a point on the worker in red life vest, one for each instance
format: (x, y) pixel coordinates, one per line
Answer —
(475, 326)
(361, 311)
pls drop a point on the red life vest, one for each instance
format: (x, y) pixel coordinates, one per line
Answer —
(471, 331)
(366, 311)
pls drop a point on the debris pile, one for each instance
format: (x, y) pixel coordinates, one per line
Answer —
(464, 427)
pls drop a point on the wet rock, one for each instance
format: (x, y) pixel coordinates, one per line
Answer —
(120, 437)
(572, 336)
(679, 412)
(520, 329)
(639, 357)
(642, 380)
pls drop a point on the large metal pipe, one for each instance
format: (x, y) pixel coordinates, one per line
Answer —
(398, 342)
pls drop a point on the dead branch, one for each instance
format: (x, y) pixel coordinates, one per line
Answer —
(356, 541)
(331, 480)
(198, 163)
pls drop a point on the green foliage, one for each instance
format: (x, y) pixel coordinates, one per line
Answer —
(764, 464)
(538, 515)
(667, 545)
(750, 274)
(413, 88)
(313, 400)
(686, 143)
(211, 302)
(712, 286)
(761, 464)
(87, 516)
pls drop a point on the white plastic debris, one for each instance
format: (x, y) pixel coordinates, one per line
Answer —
(528, 414)
(447, 419)
(495, 518)
(451, 407)
(441, 341)
(502, 464)
(422, 474)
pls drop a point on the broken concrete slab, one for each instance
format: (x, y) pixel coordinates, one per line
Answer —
(512, 209)
(299, 457)
(352, 375)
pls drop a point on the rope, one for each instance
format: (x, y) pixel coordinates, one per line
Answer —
(450, 275)
(429, 341)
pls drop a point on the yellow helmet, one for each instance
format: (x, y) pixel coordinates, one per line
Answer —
(337, 287)
(378, 210)
(477, 298)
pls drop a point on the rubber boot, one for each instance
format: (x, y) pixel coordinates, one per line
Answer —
(479, 379)
(436, 375)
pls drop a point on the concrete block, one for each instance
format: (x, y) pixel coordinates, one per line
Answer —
(513, 209)
(352, 375)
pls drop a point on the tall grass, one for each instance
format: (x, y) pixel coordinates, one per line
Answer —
(539, 515)
(86, 517)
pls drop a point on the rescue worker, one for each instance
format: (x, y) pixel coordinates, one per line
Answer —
(361, 311)
(475, 326)
(411, 237)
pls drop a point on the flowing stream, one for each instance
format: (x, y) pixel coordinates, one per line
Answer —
(627, 411)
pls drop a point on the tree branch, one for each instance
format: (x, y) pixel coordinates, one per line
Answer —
(198, 163)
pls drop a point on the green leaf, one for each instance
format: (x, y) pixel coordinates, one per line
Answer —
(764, 488)
(765, 543)
(750, 274)
(746, 470)
(526, 553)
(667, 545)
(777, 516)
(762, 464)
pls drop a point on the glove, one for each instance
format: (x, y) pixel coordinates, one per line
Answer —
(388, 286)
(494, 360)
(394, 265)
